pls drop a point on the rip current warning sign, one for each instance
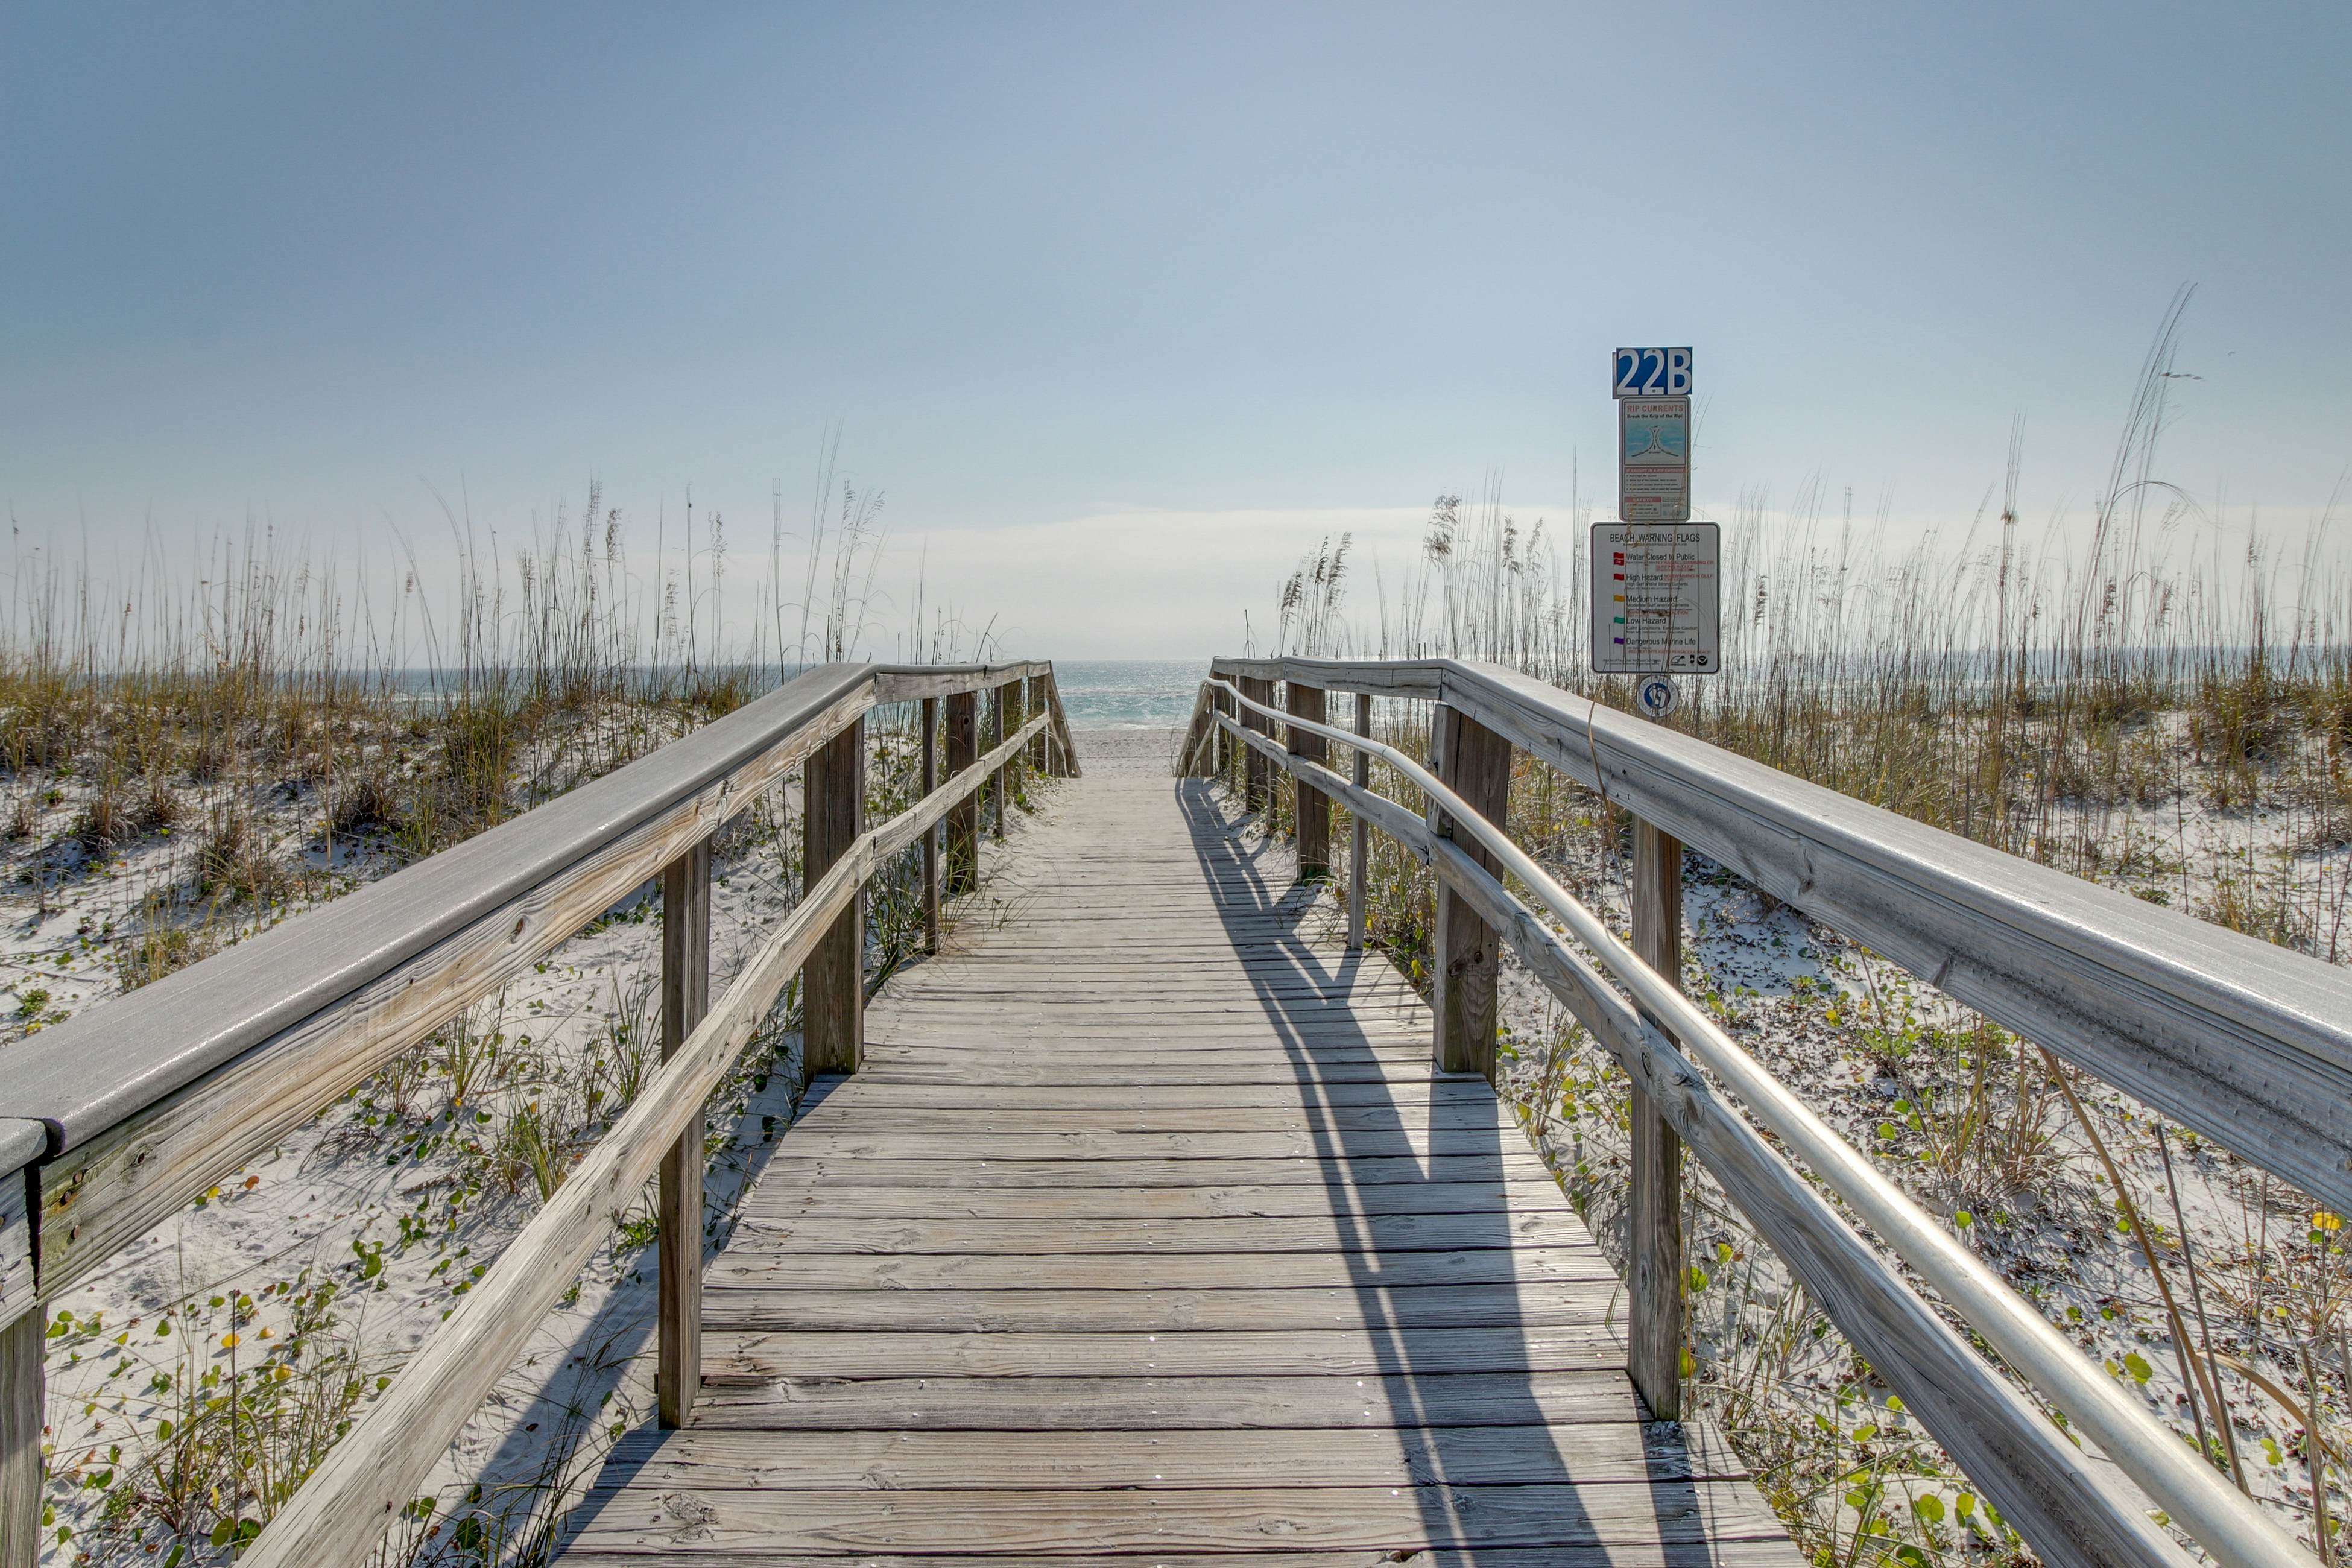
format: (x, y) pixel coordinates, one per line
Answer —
(1656, 598)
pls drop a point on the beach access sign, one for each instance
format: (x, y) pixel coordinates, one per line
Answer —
(1653, 459)
(1652, 387)
(1656, 599)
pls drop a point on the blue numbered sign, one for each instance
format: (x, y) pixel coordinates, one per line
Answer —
(1651, 373)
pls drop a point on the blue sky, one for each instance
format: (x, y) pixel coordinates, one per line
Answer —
(1091, 290)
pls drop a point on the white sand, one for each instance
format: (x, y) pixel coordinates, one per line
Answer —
(1129, 751)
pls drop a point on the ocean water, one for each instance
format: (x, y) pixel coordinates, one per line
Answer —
(1097, 694)
(1129, 693)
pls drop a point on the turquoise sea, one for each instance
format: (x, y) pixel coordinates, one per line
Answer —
(1097, 694)
(1129, 693)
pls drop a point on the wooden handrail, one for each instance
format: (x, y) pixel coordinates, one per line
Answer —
(356, 1493)
(2068, 1506)
(2246, 1042)
(115, 1120)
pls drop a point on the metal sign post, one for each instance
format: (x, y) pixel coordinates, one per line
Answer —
(1656, 575)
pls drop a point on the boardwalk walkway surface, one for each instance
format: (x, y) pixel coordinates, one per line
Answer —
(1148, 1235)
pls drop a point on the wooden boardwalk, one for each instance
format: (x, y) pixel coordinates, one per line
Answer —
(1148, 1235)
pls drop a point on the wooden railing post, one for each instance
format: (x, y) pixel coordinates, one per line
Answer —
(996, 782)
(22, 1319)
(685, 997)
(21, 1470)
(1359, 842)
(1475, 762)
(832, 981)
(1222, 703)
(932, 834)
(1654, 1265)
(1038, 757)
(1007, 710)
(963, 818)
(1256, 781)
(1312, 818)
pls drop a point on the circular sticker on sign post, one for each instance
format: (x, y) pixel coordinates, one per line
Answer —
(1656, 696)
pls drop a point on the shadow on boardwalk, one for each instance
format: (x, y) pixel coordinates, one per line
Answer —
(1304, 990)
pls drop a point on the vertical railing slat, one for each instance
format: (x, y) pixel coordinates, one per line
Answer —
(1311, 816)
(994, 787)
(932, 834)
(685, 997)
(1475, 762)
(963, 820)
(1258, 781)
(832, 986)
(1654, 1262)
(1359, 836)
(1040, 760)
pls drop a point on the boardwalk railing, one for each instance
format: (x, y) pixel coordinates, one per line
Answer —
(2239, 1039)
(115, 1121)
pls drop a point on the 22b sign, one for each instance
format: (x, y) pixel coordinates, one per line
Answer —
(1651, 373)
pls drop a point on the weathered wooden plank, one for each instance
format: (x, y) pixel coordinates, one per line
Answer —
(1069, 1310)
(785, 1270)
(915, 682)
(1407, 1232)
(1153, 1117)
(789, 1164)
(778, 1200)
(735, 1357)
(883, 1144)
(885, 1094)
(1599, 1452)
(1760, 1553)
(1383, 1397)
(912, 1065)
(1381, 1519)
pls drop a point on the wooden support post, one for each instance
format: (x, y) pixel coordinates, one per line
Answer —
(21, 1470)
(963, 819)
(1475, 763)
(832, 981)
(686, 997)
(1223, 704)
(932, 834)
(1257, 790)
(994, 787)
(1038, 759)
(1655, 1264)
(1360, 840)
(1311, 818)
(23, 1316)
(1009, 717)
